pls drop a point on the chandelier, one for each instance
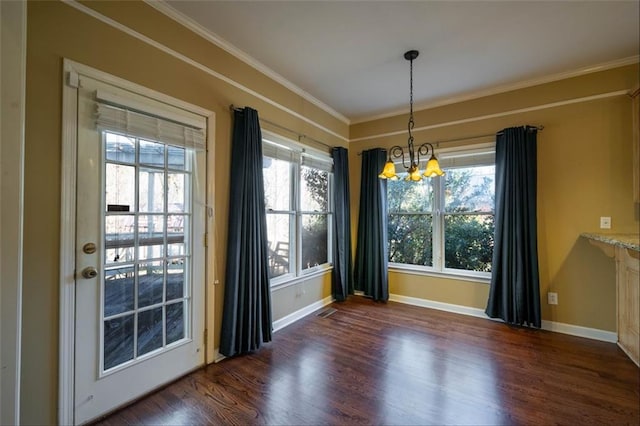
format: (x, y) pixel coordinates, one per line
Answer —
(433, 168)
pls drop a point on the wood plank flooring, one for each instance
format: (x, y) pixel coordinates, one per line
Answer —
(372, 363)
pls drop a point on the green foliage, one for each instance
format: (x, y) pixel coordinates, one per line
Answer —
(468, 242)
(410, 239)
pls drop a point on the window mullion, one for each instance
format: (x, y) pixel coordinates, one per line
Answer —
(438, 223)
(297, 234)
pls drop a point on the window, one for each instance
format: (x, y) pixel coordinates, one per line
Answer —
(445, 224)
(297, 198)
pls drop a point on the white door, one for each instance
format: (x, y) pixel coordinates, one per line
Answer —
(139, 252)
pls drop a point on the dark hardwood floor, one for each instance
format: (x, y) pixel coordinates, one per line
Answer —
(371, 363)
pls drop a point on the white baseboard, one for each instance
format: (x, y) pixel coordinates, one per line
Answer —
(300, 313)
(558, 327)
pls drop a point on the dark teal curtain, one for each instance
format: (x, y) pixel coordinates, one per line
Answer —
(371, 263)
(514, 295)
(246, 315)
(342, 277)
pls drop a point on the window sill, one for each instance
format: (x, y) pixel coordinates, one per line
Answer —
(461, 276)
(316, 272)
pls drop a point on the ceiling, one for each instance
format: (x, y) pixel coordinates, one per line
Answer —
(348, 55)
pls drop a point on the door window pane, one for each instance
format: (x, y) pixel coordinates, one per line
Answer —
(120, 148)
(175, 322)
(175, 192)
(120, 185)
(150, 283)
(118, 341)
(151, 192)
(119, 284)
(152, 153)
(176, 157)
(149, 330)
(175, 279)
(119, 238)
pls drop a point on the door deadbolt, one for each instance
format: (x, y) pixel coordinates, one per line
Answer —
(89, 248)
(89, 272)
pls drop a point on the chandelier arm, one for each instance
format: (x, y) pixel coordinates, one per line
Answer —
(424, 150)
(397, 151)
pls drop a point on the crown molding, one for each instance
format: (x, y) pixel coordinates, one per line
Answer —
(215, 39)
(505, 88)
(121, 27)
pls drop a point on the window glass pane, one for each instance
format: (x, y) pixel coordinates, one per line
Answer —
(150, 236)
(470, 189)
(118, 236)
(314, 192)
(118, 290)
(175, 322)
(149, 330)
(118, 341)
(120, 188)
(175, 279)
(278, 234)
(120, 148)
(176, 157)
(151, 193)
(152, 153)
(409, 197)
(410, 239)
(176, 192)
(176, 238)
(468, 242)
(277, 184)
(314, 240)
(150, 283)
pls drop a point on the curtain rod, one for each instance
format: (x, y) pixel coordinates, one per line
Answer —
(271, 123)
(437, 143)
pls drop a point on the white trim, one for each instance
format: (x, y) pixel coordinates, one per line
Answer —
(505, 88)
(558, 327)
(446, 274)
(576, 330)
(66, 360)
(498, 114)
(215, 39)
(300, 313)
(198, 65)
(13, 18)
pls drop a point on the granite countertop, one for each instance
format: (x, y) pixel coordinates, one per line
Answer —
(630, 241)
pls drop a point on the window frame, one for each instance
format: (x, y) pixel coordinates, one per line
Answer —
(297, 151)
(452, 158)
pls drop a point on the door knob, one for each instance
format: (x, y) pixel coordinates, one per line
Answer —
(89, 272)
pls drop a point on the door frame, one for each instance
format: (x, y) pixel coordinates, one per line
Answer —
(66, 364)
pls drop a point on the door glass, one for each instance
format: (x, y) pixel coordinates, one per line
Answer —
(147, 256)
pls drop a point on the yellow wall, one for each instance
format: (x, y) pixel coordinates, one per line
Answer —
(57, 31)
(584, 172)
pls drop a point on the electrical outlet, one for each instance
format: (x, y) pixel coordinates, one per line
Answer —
(605, 222)
(552, 298)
